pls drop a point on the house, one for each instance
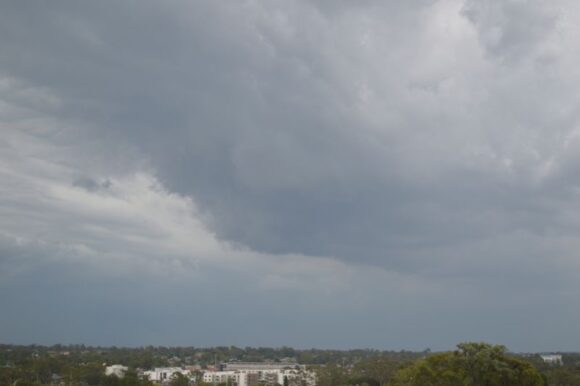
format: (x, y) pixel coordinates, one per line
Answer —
(161, 374)
(552, 359)
(116, 370)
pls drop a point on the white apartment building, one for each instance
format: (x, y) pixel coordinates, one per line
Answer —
(161, 374)
(116, 370)
(261, 365)
(297, 377)
(250, 374)
(229, 377)
(552, 359)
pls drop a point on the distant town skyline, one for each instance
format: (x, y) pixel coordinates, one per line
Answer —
(367, 174)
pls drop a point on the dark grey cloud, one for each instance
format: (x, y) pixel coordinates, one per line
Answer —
(513, 29)
(433, 141)
(92, 185)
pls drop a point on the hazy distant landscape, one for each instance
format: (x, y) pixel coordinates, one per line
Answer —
(85, 365)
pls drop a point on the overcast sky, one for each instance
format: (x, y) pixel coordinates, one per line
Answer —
(336, 174)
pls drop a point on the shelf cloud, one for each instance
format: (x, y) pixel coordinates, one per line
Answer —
(399, 174)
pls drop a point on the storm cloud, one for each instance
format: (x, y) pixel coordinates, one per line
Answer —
(393, 174)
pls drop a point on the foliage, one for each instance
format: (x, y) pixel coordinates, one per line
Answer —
(473, 364)
(375, 371)
(179, 379)
(332, 375)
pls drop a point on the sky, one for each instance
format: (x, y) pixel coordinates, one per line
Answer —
(400, 174)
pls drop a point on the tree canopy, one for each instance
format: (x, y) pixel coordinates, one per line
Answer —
(472, 364)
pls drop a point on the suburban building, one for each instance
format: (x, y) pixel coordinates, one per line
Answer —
(266, 374)
(228, 377)
(552, 359)
(260, 365)
(162, 374)
(116, 370)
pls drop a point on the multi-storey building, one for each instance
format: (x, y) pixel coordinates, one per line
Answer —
(162, 374)
(263, 374)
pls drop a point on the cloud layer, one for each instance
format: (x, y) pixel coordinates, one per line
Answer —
(394, 174)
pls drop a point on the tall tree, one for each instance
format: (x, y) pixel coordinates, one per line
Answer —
(179, 379)
(376, 370)
(331, 375)
(472, 364)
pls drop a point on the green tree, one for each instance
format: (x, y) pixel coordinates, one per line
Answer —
(473, 364)
(179, 379)
(331, 375)
(376, 371)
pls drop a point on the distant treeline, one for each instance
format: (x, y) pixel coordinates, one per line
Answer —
(470, 364)
(150, 356)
